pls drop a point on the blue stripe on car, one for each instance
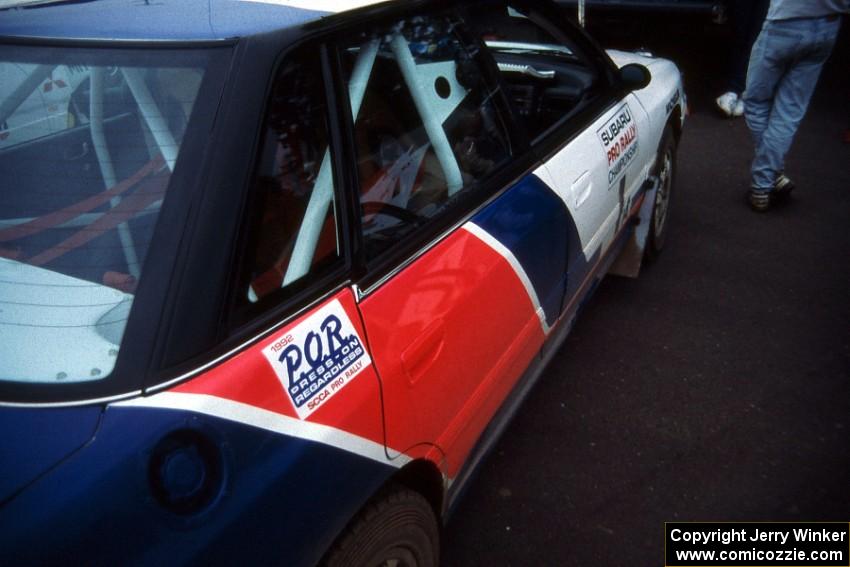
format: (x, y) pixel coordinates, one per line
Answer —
(533, 223)
(272, 491)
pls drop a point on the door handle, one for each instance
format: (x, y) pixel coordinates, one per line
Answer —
(424, 351)
(83, 152)
(581, 188)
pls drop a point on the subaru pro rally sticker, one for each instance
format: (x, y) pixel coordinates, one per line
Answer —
(318, 358)
(620, 141)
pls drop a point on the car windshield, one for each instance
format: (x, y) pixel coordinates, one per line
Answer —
(89, 139)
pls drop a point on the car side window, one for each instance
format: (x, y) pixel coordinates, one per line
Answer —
(547, 77)
(293, 229)
(426, 127)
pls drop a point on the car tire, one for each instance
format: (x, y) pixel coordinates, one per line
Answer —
(665, 170)
(398, 528)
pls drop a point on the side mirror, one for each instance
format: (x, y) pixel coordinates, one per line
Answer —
(635, 76)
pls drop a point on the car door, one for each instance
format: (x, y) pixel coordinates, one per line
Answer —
(453, 304)
(598, 176)
(587, 137)
(602, 189)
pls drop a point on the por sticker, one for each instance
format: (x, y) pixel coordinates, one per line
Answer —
(620, 140)
(318, 358)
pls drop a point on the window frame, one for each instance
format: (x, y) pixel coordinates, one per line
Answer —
(245, 320)
(556, 137)
(371, 274)
(136, 357)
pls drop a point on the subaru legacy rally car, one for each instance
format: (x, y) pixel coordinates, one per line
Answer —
(272, 278)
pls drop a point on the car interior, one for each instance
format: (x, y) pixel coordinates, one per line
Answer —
(409, 173)
(87, 192)
(399, 83)
(545, 77)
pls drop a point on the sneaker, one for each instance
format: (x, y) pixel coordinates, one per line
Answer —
(759, 200)
(783, 186)
(726, 103)
(738, 110)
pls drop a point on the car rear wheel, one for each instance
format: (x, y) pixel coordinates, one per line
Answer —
(666, 172)
(398, 528)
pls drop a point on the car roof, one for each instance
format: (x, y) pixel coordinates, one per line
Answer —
(160, 20)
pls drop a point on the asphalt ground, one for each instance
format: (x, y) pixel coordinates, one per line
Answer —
(716, 387)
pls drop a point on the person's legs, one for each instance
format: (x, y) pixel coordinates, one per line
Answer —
(769, 60)
(802, 59)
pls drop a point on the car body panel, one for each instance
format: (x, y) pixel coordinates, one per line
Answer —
(663, 99)
(527, 218)
(444, 348)
(262, 381)
(164, 20)
(32, 322)
(53, 435)
(599, 177)
(260, 506)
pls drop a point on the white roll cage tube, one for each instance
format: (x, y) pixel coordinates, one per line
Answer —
(153, 116)
(323, 194)
(432, 115)
(159, 130)
(104, 160)
(432, 119)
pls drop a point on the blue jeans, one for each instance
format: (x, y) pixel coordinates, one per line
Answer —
(785, 64)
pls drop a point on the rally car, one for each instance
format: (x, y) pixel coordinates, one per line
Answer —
(273, 279)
